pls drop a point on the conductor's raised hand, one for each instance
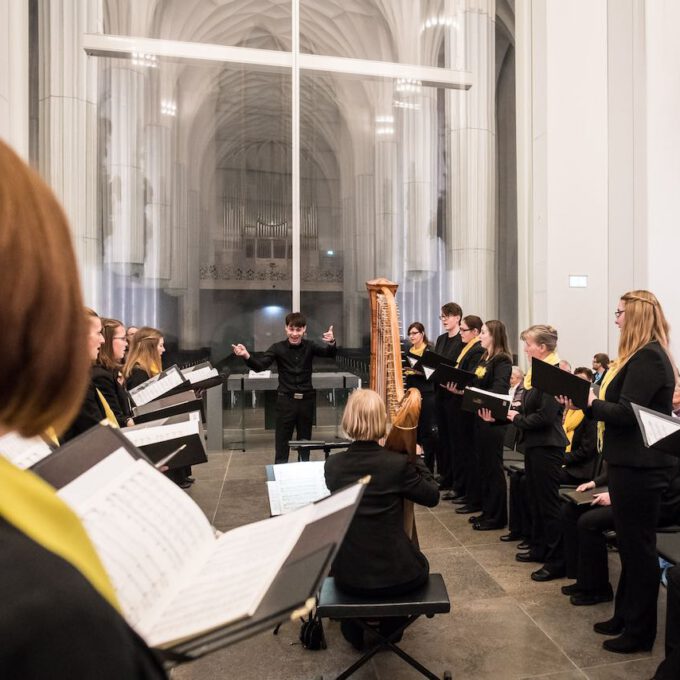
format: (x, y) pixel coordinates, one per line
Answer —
(241, 351)
(328, 335)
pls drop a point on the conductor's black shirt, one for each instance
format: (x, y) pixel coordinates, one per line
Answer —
(294, 363)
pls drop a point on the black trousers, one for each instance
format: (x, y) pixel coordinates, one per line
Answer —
(585, 547)
(519, 519)
(428, 429)
(489, 453)
(466, 470)
(292, 415)
(636, 499)
(444, 451)
(542, 467)
(670, 666)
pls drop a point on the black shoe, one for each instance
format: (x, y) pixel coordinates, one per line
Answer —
(458, 496)
(527, 557)
(586, 599)
(625, 644)
(459, 501)
(476, 519)
(353, 633)
(524, 545)
(508, 538)
(613, 626)
(571, 589)
(191, 479)
(487, 525)
(467, 509)
(544, 574)
(184, 484)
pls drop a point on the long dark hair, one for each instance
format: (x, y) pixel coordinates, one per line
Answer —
(499, 338)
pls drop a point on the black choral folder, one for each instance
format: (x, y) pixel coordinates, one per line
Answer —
(555, 381)
(445, 373)
(185, 402)
(165, 435)
(498, 404)
(582, 497)
(658, 430)
(79, 454)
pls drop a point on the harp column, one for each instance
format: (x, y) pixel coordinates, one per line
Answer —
(471, 227)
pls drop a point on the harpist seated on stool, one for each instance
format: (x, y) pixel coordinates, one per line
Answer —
(377, 558)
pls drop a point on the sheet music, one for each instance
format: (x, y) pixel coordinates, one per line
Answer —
(656, 427)
(156, 387)
(261, 374)
(496, 395)
(144, 528)
(412, 361)
(231, 583)
(23, 452)
(162, 433)
(428, 372)
(202, 374)
(296, 485)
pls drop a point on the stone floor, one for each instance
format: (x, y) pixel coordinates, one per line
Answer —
(502, 625)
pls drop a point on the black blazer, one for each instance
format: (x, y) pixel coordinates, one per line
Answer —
(540, 422)
(137, 376)
(646, 379)
(495, 379)
(580, 461)
(376, 552)
(114, 393)
(90, 414)
(54, 624)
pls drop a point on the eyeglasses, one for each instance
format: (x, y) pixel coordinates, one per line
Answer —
(618, 312)
(464, 330)
(443, 317)
(414, 332)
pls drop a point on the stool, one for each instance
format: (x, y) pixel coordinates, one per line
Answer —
(429, 600)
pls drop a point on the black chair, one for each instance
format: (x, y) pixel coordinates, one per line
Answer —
(429, 600)
(668, 545)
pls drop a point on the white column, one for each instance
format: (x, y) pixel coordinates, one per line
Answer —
(68, 127)
(123, 143)
(663, 157)
(471, 227)
(14, 75)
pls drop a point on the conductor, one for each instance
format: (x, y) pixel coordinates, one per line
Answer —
(295, 399)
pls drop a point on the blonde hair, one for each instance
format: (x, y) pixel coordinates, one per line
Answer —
(365, 417)
(40, 299)
(644, 323)
(144, 351)
(541, 334)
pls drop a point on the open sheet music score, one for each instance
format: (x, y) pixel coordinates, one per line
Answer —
(142, 435)
(157, 386)
(199, 372)
(658, 430)
(174, 579)
(22, 452)
(294, 485)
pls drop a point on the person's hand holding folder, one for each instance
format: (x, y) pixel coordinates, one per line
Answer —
(453, 388)
(485, 415)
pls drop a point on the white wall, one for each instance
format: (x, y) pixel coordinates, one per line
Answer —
(566, 231)
(663, 157)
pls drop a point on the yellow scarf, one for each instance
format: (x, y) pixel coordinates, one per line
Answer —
(552, 358)
(614, 368)
(153, 369)
(31, 506)
(465, 350)
(419, 353)
(572, 419)
(110, 417)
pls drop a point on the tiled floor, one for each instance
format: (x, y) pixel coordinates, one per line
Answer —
(502, 625)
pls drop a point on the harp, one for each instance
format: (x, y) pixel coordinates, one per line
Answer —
(385, 377)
